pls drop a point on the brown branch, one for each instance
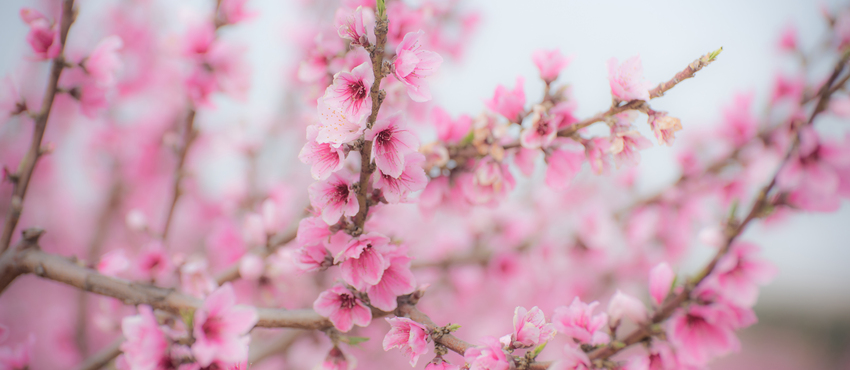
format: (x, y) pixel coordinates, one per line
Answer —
(27, 166)
(102, 357)
(732, 231)
(265, 349)
(189, 135)
(450, 341)
(232, 273)
(376, 53)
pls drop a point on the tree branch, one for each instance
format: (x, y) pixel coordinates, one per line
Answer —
(27, 165)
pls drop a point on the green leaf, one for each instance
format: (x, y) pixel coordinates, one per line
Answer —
(188, 315)
(354, 340)
(712, 55)
(382, 8)
(453, 327)
(468, 138)
(539, 349)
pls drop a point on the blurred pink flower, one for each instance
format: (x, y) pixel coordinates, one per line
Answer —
(343, 309)
(221, 328)
(312, 258)
(43, 35)
(412, 65)
(337, 360)
(624, 305)
(489, 183)
(739, 273)
(578, 322)
(233, 11)
(409, 336)
(439, 364)
(563, 165)
(145, 346)
(549, 63)
(788, 38)
(660, 281)
(626, 80)
(104, 61)
(356, 27)
(543, 130)
(700, 333)
(490, 356)
(195, 279)
(664, 127)
(626, 147)
(510, 104)
(448, 130)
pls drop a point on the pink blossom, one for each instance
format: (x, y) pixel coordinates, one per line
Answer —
(490, 356)
(812, 184)
(563, 165)
(525, 159)
(412, 65)
(448, 130)
(490, 182)
(195, 280)
(624, 305)
(627, 82)
(145, 346)
(700, 333)
(323, 158)
(312, 258)
(221, 328)
(573, 359)
(113, 263)
(337, 360)
(312, 230)
(251, 267)
(349, 92)
(391, 142)
(842, 29)
(439, 364)
(153, 263)
(738, 274)
(343, 308)
(396, 280)
(596, 152)
(104, 61)
(543, 130)
(790, 88)
(577, 321)
(43, 36)
(626, 147)
(336, 127)
(510, 104)
(357, 26)
(549, 63)
(412, 179)
(409, 336)
(16, 357)
(664, 127)
(362, 261)
(660, 281)
(530, 328)
(739, 125)
(233, 11)
(92, 99)
(788, 38)
(334, 197)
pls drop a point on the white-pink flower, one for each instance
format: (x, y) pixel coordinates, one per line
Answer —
(145, 343)
(509, 104)
(337, 360)
(221, 328)
(313, 257)
(336, 127)
(562, 166)
(391, 142)
(626, 147)
(530, 328)
(356, 26)
(490, 356)
(490, 182)
(103, 62)
(409, 336)
(334, 197)
(233, 11)
(626, 80)
(543, 130)
(664, 127)
(43, 36)
(660, 281)
(362, 261)
(549, 63)
(624, 305)
(323, 158)
(396, 280)
(412, 65)
(349, 92)
(195, 279)
(413, 178)
(343, 308)
(578, 321)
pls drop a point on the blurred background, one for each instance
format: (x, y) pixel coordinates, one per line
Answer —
(805, 313)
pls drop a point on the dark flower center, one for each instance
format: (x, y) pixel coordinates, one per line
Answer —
(347, 301)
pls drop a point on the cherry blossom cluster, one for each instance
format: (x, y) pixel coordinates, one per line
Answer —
(372, 228)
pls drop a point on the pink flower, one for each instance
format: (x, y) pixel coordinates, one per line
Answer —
(439, 364)
(92, 99)
(448, 130)
(195, 279)
(362, 261)
(624, 305)
(251, 267)
(336, 127)
(664, 127)
(490, 182)
(396, 280)
(349, 93)
(627, 82)
(17, 357)
(343, 309)
(509, 104)
(334, 197)
(543, 130)
(323, 158)
(113, 263)
(738, 274)
(660, 281)
(43, 36)
(104, 61)
(739, 124)
(221, 328)
(145, 346)
(409, 336)
(153, 263)
(563, 165)
(525, 159)
(490, 356)
(577, 321)
(700, 333)
(391, 142)
(412, 179)
(596, 152)
(312, 230)
(790, 88)
(337, 360)
(530, 328)
(549, 63)
(233, 11)
(412, 64)
(626, 147)
(574, 359)
(313, 258)
(788, 38)
(356, 26)
(842, 29)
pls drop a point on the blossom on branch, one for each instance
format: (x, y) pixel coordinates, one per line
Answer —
(146, 346)
(550, 63)
(626, 79)
(391, 142)
(578, 321)
(362, 262)
(412, 179)
(221, 329)
(343, 308)
(412, 65)
(335, 197)
(490, 356)
(530, 328)
(356, 27)
(43, 35)
(323, 158)
(349, 93)
(409, 336)
(510, 104)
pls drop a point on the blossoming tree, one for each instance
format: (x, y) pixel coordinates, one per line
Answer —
(426, 247)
